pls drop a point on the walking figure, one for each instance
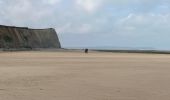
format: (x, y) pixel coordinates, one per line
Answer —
(86, 50)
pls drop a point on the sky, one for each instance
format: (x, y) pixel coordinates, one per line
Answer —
(95, 23)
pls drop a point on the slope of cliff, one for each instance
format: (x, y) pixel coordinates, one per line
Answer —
(22, 37)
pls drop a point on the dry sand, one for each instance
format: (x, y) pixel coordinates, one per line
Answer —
(79, 76)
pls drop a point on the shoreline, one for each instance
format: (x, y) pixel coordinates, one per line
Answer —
(82, 50)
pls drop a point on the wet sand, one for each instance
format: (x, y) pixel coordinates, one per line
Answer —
(79, 76)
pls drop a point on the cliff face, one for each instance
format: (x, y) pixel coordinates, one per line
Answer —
(21, 37)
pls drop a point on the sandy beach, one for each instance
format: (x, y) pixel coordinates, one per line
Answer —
(77, 76)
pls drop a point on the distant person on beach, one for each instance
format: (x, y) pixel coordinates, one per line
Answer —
(86, 51)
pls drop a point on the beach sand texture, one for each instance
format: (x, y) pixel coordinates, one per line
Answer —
(77, 76)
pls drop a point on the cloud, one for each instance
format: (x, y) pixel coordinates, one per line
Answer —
(51, 2)
(89, 5)
(74, 29)
(26, 12)
(148, 25)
